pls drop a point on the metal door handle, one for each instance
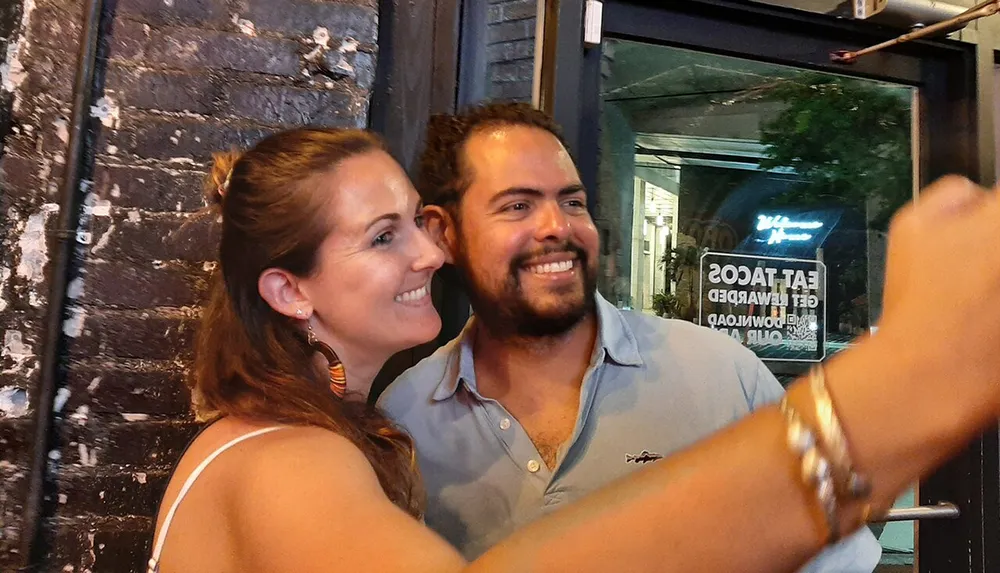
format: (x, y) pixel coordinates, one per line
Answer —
(943, 510)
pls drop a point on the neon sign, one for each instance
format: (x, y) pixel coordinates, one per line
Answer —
(779, 225)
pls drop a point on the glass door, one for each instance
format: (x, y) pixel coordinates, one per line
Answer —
(714, 169)
(742, 182)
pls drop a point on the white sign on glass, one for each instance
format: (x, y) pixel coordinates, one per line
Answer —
(775, 306)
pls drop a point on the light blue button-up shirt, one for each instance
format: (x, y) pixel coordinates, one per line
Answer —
(654, 387)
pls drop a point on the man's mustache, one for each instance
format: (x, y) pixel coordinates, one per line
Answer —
(568, 247)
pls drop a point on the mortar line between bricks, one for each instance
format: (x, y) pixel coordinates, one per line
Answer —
(122, 212)
(80, 471)
(488, 44)
(514, 62)
(344, 83)
(149, 167)
(138, 365)
(133, 311)
(115, 418)
(511, 20)
(249, 76)
(213, 121)
(169, 215)
(154, 312)
(98, 520)
(243, 121)
(152, 163)
(264, 34)
(163, 309)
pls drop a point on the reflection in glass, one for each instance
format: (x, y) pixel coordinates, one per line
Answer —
(770, 166)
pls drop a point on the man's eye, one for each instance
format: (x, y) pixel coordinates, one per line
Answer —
(519, 206)
(419, 220)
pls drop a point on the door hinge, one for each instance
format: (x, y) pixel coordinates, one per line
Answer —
(592, 22)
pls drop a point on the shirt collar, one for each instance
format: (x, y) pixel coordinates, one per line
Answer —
(459, 365)
(615, 337)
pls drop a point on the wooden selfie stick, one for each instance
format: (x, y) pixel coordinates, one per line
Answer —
(982, 10)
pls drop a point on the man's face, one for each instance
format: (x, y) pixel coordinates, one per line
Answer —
(526, 244)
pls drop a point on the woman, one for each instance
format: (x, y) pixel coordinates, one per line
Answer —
(325, 274)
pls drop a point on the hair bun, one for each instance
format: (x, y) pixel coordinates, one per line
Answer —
(220, 177)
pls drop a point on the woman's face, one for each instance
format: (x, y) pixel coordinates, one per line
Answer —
(370, 292)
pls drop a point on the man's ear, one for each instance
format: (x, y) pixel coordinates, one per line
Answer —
(280, 289)
(441, 227)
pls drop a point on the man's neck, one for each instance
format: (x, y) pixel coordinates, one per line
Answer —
(512, 366)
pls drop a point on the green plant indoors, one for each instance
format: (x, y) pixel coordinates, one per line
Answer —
(666, 305)
(680, 266)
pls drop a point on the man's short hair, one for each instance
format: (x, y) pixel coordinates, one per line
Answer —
(443, 176)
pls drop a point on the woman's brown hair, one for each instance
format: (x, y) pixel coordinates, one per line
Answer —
(252, 362)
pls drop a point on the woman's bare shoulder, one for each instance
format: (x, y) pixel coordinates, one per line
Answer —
(300, 453)
(300, 488)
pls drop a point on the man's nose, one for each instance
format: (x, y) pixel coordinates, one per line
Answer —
(552, 223)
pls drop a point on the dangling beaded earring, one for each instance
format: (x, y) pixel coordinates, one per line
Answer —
(338, 377)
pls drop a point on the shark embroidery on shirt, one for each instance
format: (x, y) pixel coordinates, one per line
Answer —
(644, 458)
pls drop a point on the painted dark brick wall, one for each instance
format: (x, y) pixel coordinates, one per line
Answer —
(176, 81)
(510, 50)
(10, 21)
(14, 432)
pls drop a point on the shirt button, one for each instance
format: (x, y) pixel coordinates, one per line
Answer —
(534, 466)
(505, 424)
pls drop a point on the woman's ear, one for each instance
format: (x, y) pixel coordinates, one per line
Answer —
(441, 227)
(280, 289)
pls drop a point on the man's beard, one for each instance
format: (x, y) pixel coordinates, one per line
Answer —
(506, 312)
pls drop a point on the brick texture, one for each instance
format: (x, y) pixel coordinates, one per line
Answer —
(510, 36)
(14, 433)
(176, 81)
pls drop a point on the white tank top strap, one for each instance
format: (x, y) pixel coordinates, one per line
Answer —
(154, 563)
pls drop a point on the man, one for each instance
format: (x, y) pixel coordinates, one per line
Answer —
(550, 392)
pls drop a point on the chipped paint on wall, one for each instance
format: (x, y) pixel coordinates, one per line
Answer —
(18, 352)
(245, 26)
(62, 396)
(88, 456)
(75, 288)
(13, 402)
(103, 240)
(4, 277)
(321, 38)
(62, 129)
(106, 110)
(81, 415)
(73, 326)
(100, 208)
(12, 71)
(33, 246)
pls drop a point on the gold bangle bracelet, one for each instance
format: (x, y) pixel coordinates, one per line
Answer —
(850, 483)
(815, 471)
